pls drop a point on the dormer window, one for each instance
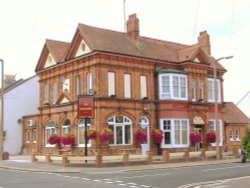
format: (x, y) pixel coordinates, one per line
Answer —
(82, 49)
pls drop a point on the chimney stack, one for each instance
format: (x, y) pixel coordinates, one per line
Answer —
(133, 26)
(204, 42)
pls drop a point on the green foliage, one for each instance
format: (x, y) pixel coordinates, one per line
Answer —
(245, 143)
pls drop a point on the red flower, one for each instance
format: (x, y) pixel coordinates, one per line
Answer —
(54, 139)
(106, 135)
(195, 137)
(157, 136)
(140, 136)
(91, 134)
(68, 139)
(211, 137)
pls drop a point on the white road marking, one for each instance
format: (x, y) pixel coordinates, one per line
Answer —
(128, 177)
(212, 169)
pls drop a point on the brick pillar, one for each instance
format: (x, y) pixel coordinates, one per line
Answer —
(125, 158)
(186, 155)
(65, 160)
(48, 158)
(203, 154)
(33, 157)
(98, 161)
(150, 157)
(165, 156)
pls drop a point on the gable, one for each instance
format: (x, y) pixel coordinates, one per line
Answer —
(64, 98)
(82, 49)
(50, 61)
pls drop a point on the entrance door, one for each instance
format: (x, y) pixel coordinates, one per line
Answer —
(144, 125)
(198, 145)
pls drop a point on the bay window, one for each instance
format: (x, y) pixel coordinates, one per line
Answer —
(211, 90)
(173, 86)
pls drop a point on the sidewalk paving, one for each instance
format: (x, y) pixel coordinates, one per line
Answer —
(23, 163)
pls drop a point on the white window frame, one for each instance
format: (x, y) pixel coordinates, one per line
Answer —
(201, 89)
(89, 83)
(34, 138)
(173, 88)
(127, 85)
(193, 88)
(212, 127)
(77, 85)
(143, 86)
(211, 87)
(27, 136)
(81, 132)
(54, 93)
(237, 134)
(231, 134)
(172, 132)
(46, 94)
(66, 128)
(113, 124)
(111, 83)
(51, 128)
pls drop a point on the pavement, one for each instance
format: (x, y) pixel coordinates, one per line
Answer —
(78, 164)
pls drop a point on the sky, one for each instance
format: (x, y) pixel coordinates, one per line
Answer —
(26, 24)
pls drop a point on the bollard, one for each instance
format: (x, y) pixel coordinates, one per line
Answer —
(125, 158)
(48, 158)
(165, 156)
(203, 154)
(33, 157)
(98, 161)
(186, 155)
(150, 157)
(5, 156)
(65, 160)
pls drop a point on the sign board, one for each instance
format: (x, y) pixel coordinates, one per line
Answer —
(85, 106)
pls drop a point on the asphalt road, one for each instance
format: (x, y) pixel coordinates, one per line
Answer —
(197, 176)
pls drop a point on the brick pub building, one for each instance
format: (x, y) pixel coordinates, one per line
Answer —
(137, 83)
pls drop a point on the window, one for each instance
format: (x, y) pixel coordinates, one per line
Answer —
(27, 136)
(89, 84)
(66, 128)
(81, 132)
(144, 125)
(122, 129)
(175, 133)
(65, 85)
(173, 86)
(211, 87)
(77, 85)
(34, 136)
(193, 90)
(49, 129)
(46, 94)
(212, 127)
(237, 134)
(201, 90)
(54, 93)
(231, 135)
(127, 85)
(143, 86)
(111, 83)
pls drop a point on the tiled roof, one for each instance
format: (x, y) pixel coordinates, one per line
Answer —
(58, 49)
(120, 43)
(234, 115)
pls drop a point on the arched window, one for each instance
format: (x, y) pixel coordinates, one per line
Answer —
(144, 125)
(81, 132)
(66, 128)
(49, 129)
(122, 129)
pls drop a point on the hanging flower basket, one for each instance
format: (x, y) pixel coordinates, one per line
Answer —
(211, 137)
(68, 139)
(91, 134)
(157, 136)
(106, 135)
(54, 139)
(140, 136)
(195, 137)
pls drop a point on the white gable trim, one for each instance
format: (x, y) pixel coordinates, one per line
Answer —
(50, 61)
(82, 49)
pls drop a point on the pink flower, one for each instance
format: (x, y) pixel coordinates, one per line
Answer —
(211, 137)
(140, 136)
(157, 136)
(195, 137)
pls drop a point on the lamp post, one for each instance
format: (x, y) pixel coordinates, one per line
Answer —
(1, 108)
(218, 156)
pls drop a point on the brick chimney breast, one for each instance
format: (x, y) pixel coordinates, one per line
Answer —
(133, 26)
(204, 42)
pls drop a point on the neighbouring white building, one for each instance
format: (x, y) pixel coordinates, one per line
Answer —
(20, 98)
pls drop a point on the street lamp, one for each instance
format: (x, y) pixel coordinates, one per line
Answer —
(218, 156)
(1, 108)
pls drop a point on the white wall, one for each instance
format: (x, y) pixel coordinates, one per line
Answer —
(20, 101)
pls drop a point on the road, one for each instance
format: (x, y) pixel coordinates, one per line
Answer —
(197, 176)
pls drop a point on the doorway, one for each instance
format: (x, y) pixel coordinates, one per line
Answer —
(144, 125)
(198, 145)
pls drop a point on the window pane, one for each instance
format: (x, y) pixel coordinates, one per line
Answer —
(183, 87)
(143, 84)
(54, 93)
(127, 86)
(111, 83)
(177, 135)
(46, 93)
(127, 134)
(77, 85)
(184, 132)
(112, 140)
(118, 135)
(167, 138)
(89, 83)
(175, 86)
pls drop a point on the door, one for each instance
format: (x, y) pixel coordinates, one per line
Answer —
(145, 145)
(199, 144)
